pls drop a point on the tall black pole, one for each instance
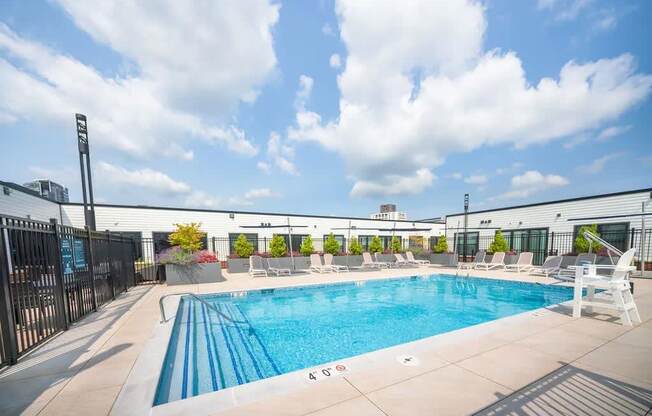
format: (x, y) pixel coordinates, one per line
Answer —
(466, 223)
(82, 142)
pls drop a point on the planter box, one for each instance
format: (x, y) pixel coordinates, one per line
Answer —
(351, 261)
(445, 259)
(197, 273)
(237, 265)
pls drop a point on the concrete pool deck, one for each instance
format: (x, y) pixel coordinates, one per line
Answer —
(556, 364)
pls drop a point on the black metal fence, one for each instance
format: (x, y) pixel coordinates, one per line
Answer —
(53, 275)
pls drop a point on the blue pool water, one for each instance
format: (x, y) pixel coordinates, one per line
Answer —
(283, 330)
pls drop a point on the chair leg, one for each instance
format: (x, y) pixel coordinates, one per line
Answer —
(629, 300)
(620, 303)
(590, 295)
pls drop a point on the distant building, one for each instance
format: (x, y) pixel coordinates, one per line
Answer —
(48, 189)
(389, 212)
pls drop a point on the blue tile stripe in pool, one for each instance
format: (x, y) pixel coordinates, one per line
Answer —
(281, 330)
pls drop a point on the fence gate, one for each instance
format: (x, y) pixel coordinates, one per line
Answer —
(52, 276)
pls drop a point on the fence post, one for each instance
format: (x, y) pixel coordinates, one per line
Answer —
(59, 275)
(7, 323)
(110, 263)
(552, 244)
(91, 265)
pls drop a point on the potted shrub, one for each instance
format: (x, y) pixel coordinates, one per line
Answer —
(331, 245)
(354, 257)
(185, 262)
(396, 245)
(306, 248)
(498, 244)
(441, 255)
(239, 261)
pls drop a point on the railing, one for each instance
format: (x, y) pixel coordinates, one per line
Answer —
(53, 275)
(208, 305)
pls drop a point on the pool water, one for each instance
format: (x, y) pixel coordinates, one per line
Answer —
(282, 330)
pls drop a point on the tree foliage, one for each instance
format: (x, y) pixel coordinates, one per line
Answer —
(306, 246)
(376, 246)
(396, 245)
(441, 246)
(188, 237)
(243, 247)
(277, 247)
(331, 245)
(354, 246)
(499, 244)
(582, 245)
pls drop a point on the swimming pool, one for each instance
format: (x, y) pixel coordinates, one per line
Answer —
(282, 330)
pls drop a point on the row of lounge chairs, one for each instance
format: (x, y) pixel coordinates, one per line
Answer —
(551, 267)
(257, 264)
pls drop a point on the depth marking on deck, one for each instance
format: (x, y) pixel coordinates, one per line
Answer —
(326, 372)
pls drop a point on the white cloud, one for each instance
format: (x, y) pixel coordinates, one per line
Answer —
(613, 131)
(192, 66)
(264, 167)
(598, 164)
(476, 179)
(564, 9)
(258, 193)
(303, 93)
(280, 154)
(389, 185)
(327, 30)
(408, 101)
(455, 175)
(335, 61)
(532, 182)
(146, 178)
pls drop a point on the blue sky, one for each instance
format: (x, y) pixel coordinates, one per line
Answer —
(243, 105)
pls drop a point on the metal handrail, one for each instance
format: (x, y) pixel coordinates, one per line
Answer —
(610, 249)
(208, 305)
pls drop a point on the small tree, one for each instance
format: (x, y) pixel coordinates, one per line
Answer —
(582, 245)
(277, 247)
(188, 237)
(396, 245)
(243, 247)
(354, 246)
(499, 243)
(376, 246)
(306, 246)
(331, 245)
(441, 246)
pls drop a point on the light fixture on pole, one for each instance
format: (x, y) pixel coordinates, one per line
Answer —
(85, 168)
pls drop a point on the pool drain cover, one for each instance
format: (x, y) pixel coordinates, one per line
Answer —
(408, 360)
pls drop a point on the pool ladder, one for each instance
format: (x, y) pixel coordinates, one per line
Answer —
(200, 300)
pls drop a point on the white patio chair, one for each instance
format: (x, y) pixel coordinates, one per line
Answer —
(617, 293)
(549, 267)
(273, 267)
(317, 266)
(401, 262)
(328, 262)
(369, 263)
(497, 261)
(256, 267)
(568, 273)
(523, 263)
(478, 259)
(410, 258)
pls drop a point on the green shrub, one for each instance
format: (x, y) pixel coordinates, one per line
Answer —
(277, 247)
(243, 247)
(188, 237)
(441, 246)
(354, 246)
(306, 246)
(582, 245)
(499, 243)
(331, 245)
(396, 245)
(376, 246)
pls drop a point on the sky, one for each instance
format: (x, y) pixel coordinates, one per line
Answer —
(329, 107)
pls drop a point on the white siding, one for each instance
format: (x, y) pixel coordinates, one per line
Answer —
(22, 204)
(218, 224)
(545, 216)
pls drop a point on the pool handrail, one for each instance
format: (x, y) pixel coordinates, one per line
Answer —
(208, 305)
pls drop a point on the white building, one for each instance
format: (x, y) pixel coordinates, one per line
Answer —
(389, 212)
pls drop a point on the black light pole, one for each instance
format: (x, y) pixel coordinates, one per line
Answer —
(85, 169)
(466, 223)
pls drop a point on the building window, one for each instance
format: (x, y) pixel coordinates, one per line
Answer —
(251, 237)
(472, 240)
(534, 240)
(615, 234)
(297, 240)
(161, 242)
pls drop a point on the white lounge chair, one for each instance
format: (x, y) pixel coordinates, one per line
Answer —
(317, 266)
(523, 263)
(617, 293)
(568, 273)
(410, 258)
(328, 261)
(369, 263)
(497, 260)
(401, 262)
(549, 267)
(478, 259)
(273, 267)
(256, 266)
